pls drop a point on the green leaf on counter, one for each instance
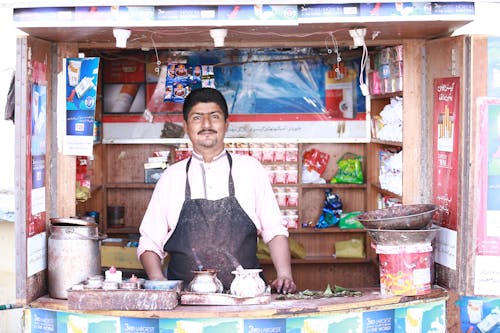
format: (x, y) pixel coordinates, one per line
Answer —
(337, 291)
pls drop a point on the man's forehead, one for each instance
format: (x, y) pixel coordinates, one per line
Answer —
(205, 108)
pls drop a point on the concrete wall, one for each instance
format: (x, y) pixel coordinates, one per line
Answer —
(10, 320)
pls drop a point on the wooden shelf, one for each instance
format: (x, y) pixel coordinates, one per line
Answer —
(330, 185)
(387, 143)
(130, 186)
(386, 96)
(331, 230)
(312, 260)
(122, 230)
(386, 192)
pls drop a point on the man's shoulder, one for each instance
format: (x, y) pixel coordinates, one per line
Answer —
(179, 166)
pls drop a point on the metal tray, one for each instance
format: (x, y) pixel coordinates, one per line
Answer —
(405, 217)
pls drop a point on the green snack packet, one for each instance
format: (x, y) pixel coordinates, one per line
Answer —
(350, 170)
(349, 221)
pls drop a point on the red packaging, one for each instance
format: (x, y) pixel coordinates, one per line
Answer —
(316, 160)
(405, 269)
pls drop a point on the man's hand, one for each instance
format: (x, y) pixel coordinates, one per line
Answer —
(152, 265)
(280, 254)
(284, 285)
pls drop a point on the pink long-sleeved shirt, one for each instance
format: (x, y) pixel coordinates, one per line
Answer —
(210, 180)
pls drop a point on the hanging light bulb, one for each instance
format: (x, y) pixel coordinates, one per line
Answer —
(218, 35)
(121, 36)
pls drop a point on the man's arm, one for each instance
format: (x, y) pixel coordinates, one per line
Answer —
(280, 254)
(152, 265)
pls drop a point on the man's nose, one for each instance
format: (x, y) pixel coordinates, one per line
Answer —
(206, 121)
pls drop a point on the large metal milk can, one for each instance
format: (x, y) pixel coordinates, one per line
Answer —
(73, 254)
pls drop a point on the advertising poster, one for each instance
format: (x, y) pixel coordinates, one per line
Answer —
(42, 321)
(201, 325)
(36, 224)
(270, 93)
(445, 159)
(114, 13)
(488, 226)
(81, 92)
(479, 314)
(423, 317)
(37, 149)
(257, 12)
(494, 66)
(378, 321)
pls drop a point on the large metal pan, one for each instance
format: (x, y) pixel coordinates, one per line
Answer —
(402, 237)
(413, 217)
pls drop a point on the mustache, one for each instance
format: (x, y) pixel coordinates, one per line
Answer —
(207, 130)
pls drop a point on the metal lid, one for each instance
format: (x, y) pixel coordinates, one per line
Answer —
(73, 221)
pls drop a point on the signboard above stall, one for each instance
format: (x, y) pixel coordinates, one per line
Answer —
(183, 24)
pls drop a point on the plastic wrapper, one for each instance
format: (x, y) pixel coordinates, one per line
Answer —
(350, 170)
(332, 211)
(351, 248)
(349, 221)
(297, 250)
(83, 173)
(315, 160)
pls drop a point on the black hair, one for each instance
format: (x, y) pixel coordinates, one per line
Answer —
(204, 95)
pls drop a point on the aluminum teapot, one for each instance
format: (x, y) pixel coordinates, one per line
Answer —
(205, 281)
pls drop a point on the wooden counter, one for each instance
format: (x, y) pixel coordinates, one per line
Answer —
(371, 300)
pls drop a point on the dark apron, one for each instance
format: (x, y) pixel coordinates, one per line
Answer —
(218, 231)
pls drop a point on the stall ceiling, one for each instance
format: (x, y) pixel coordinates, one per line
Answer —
(302, 35)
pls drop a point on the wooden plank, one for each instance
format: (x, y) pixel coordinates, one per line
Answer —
(189, 298)
(472, 197)
(128, 300)
(415, 130)
(370, 300)
(64, 175)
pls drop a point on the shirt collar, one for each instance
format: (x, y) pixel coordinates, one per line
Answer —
(199, 158)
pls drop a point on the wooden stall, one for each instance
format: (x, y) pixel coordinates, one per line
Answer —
(115, 168)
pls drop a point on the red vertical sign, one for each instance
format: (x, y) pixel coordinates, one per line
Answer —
(446, 129)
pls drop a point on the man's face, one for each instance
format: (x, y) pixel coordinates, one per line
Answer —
(206, 127)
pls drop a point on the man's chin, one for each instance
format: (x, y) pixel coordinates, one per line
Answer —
(207, 143)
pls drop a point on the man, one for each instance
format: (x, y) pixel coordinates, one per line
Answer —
(207, 211)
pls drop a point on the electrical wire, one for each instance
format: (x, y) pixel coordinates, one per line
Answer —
(364, 61)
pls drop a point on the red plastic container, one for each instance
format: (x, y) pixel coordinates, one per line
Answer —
(405, 269)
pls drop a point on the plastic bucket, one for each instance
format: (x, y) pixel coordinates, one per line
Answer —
(405, 269)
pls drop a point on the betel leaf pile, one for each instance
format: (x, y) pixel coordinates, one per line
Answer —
(336, 291)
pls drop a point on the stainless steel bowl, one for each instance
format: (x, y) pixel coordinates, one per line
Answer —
(405, 217)
(163, 284)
